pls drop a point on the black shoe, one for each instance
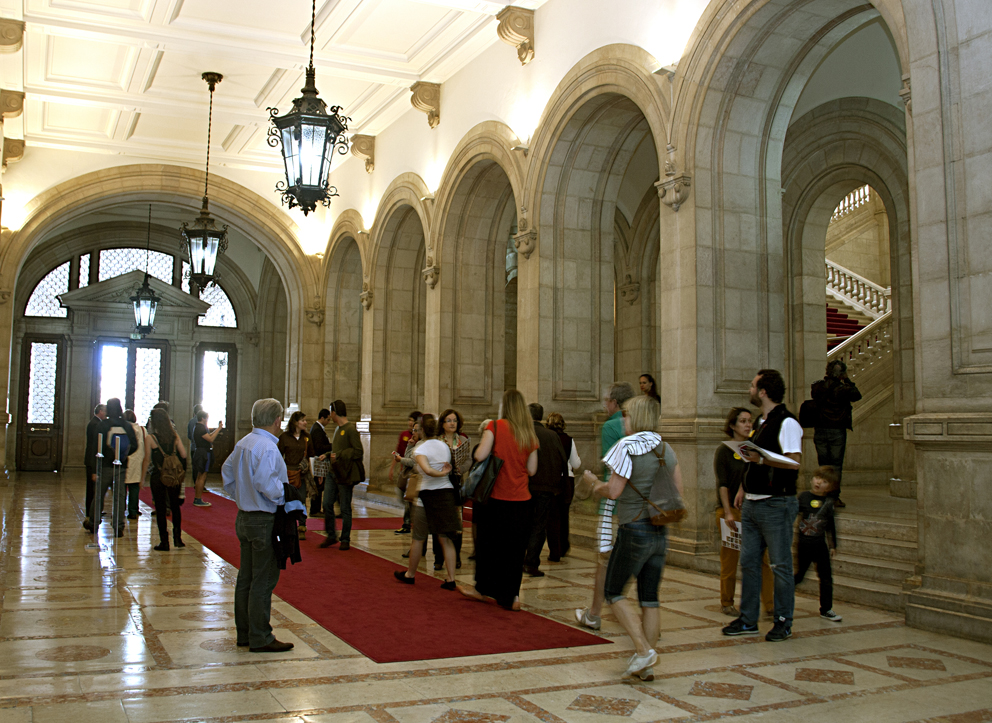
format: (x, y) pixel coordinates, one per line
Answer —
(88, 524)
(243, 645)
(404, 530)
(438, 566)
(120, 532)
(178, 543)
(140, 513)
(275, 646)
(406, 554)
(458, 564)
(554, 559)
(401, 576)
(839, 503)
(448, 585)
(162, 547)
(737, 627)
(345, 545)
(533, 571)
(328, 542)
(779, 632)
(472, 556)
(132, 517)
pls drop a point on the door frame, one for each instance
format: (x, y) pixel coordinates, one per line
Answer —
(232, 392)
(23, 393)
(132, 345)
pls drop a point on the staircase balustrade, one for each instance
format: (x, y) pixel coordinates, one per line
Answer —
(866, 296)
(861, 351)
(851, 202)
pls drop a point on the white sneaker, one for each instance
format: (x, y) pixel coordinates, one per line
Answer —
(583, 617)
(647, 675)
(831, 616)
(640, 662)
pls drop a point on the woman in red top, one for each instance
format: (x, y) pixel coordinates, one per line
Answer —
(503, 522)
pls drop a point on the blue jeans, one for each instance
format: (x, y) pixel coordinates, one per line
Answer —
(334, 492)
(639, 551)
(830, 447)
(768, 524)
(257, 578)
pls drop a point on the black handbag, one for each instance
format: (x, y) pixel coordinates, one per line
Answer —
(482, 476)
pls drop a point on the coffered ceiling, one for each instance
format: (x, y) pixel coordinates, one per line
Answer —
(123, 76)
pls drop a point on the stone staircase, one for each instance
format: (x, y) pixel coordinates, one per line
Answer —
(877, 551)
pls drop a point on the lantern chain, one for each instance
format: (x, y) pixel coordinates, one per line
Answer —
(210, 123)
(313, 29)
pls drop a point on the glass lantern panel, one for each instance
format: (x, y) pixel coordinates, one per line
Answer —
(196, 254)
(290, 156)
(312, 154)
(210, 254)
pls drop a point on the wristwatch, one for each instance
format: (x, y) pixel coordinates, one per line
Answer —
(761, 460)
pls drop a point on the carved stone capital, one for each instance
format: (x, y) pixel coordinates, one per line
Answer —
(907, 93)
(11, 103)
(366, 296)
(253, 338)
(13, 150)
(427, 99)
(516, 28)
(525, 242)
(315, 316)
(630, 291)
(5, 296)
(364, 147)
(674, 191)
(431, 273)
(11, 35)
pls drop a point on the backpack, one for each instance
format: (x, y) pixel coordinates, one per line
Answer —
(172, 473)
(115, 433)
(809, 414)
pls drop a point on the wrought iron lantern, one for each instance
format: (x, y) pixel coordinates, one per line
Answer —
(308, 135)
(203, 241)
(145, 301)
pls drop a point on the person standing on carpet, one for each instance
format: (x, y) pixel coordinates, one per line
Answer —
(347, 471)
(450, 432)
(406, 438)
(636, 463)
(436, 509)
(203, 443)
(254, 474)
(296, 450)
(163, 441)
(504, 520)
(321, 451)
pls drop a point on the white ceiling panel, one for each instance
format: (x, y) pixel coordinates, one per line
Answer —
(191, 131)
(62, 118)
(88, 62)
(181, 73)
(283, 18)
(132, 9)
(393, 27)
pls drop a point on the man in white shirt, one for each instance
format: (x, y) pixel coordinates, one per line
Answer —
(767, 500)
(254, 475)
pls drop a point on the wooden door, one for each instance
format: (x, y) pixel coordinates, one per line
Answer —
(40, 416)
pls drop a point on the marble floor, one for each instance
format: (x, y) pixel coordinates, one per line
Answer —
(120, 633)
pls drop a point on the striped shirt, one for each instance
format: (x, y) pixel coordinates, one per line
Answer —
(255, 472)
(618, 458)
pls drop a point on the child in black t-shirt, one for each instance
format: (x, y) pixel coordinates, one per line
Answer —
(816, 521)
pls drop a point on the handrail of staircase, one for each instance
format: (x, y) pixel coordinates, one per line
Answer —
(860, 350)
(864, 295)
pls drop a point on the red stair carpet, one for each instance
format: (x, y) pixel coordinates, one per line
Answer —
(353, 595)
(840, 326)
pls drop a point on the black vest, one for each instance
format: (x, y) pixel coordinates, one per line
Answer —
(761, 479)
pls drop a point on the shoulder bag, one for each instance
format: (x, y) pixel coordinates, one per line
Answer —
(172, 473)
(482, 476)
(672, 508)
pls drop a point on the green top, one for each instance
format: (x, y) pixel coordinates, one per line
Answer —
(611, 433)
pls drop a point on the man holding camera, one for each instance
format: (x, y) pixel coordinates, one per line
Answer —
(833, 396)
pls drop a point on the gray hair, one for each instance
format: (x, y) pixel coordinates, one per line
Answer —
(265, 412)
(99, 408)
(620, 392)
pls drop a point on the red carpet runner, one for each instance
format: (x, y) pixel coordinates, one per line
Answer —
(353, 594)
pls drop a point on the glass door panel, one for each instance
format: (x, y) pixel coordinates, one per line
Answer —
(147, 381)
(39, 422)
(113, 372)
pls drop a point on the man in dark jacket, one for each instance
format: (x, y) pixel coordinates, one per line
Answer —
(544, 486)
(111, 428)
(346, 472)
(833, 396)
(89, 459)
(322, 450)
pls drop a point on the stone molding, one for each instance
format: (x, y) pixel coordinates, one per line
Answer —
(960, 431)
(906, 93)
(364, 147)
(525, 242)
(630, 291)
(13, 150)
(516, 28)
(366, 296)
(11, 103)
(11, 35)
(431, 273)
(427, 99)
(674, 190)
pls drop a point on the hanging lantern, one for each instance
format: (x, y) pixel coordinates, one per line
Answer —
(145, 301)
(203, 242)
(308, 135)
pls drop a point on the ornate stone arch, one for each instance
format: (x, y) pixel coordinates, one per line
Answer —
(348, 225)
(407, 189)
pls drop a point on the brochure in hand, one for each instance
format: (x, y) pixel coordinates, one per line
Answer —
(747, 447)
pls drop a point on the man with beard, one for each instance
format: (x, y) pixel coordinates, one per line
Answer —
(767, 500)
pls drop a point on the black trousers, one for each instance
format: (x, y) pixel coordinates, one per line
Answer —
(830, 447)
(558, 530)
(502, 531)
(167, 497)
(543, 503)
(818, 553)
(90, 491)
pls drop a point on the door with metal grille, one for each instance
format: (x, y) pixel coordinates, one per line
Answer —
(134, 372)
(40, 418)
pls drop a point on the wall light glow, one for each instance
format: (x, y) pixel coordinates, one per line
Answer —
(526, 114)
(368, 212)
(313, 234)
(673, 28)
(433, 174)
(14, 211)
